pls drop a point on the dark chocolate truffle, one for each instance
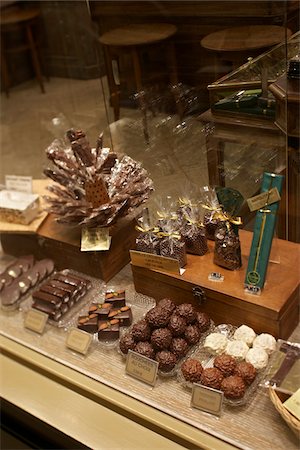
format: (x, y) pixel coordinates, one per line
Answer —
(145, 349)
(192, 334)
(177, 325)
(161, 338)
(167, 304)
(166, 360)
(226, 364)
(179, 347)
(233, 387)
(246, 371)
(211, 377)
(191, 370)
(157, 317)
(203, 321)
(187, 311)
(127, 343)
(141, 331)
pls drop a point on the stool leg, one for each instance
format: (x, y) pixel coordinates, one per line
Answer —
(4, 70)
(35, 59)
(171, 55)
(113, 87)
(139, 88)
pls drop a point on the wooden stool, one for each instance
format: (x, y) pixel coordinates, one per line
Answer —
(134, 39)
(239, 43)
(13, 19)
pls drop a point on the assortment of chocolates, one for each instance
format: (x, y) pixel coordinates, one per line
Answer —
(227, 252)
(57, 295)
(20, 277)
(106, 318)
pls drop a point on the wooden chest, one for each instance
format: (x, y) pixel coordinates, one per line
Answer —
(62, 244)
(275, 310)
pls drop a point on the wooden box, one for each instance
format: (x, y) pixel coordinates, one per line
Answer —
(62, 244)
(275, 310)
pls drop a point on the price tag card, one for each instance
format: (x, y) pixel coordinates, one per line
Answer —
(250, 289)
(154, 262)
(141, 368)
(18, 183)
(36, 321)
(216, 276)
(207, 399)
(78, 340)
(95, 239)
(263, 199)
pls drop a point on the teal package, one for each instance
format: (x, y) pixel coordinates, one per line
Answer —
(263, 234)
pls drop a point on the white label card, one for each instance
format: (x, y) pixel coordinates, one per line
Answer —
(141, 368)
(78, 340)
(36, 320)
(207, 399)
(18, 183)
(154, 262)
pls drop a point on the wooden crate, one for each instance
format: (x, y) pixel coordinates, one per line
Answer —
(275, 311)
(62, 244)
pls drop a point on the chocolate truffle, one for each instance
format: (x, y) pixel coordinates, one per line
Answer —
(246, 371)
(127, 343)
(258, 357)
(226, 364)
(203, 321)
(215, 343)
(167, 304)
(177, 325)
(141, 331)
(192, 334)
(187, 311)
(157, 317)
(265, 341)
(211, 377)
(145, 349)
(161, 338)
(237, 349)
(166, 360)
(191, 370)
(233, 387)
(179, 347)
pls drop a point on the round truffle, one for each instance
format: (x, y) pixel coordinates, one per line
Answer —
(226, 364)
(161, 338)
(191, 370)
(157, 317)
(187, 311)
(203, 321)
(166, 360)
(145, 348)
(192, 334)
(141, 331)
(179, 347)
(211, 377)
(215, 343)
(246, 371)
(246, 334)
(237, 349)
(177, 325)
(233, 387)
(167, 304)
(127, 343)
(258, 357)
(265, 341)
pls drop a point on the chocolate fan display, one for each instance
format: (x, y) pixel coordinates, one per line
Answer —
(93, 186)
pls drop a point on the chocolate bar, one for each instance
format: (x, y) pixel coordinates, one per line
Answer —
(40, 296)
(109, 331)
(60, 293)
(88, 323)
(115, 298)
(124, 315)
(54, 314)
(101, 309)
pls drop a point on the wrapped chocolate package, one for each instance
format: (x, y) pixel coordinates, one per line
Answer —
(93, 186)
(147, 241)
(213, 214)
(172, 244)
(227, 252)
(193, 231)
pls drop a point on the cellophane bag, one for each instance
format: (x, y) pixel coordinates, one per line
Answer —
(172, 245)
(213, 214)
(147, 241)
(193, 230)
(227, 251)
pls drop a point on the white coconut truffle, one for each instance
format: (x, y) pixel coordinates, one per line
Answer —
(215, 343)
(237, 349)
(265, 341)
(245, 334)
(258, 357)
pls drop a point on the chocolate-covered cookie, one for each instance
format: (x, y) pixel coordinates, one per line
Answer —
(203, 321)
(225, 363)
(167, 304)
(179, 346)
(126, 343)
(192, 334)
(187, 311)
(141, 331)
(191, 370)
(157, 317)
(246, 371)
(233, 387)
(211, 377)
(145, 349)
(166, 360)
(161, 338)
(177, 325)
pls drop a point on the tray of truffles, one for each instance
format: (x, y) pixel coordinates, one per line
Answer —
(166, 333)
(230, 359)
(21, 278)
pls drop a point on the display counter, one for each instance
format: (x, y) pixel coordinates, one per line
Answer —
(90, 399)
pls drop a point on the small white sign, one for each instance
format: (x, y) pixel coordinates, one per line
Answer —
(36, 321)
(78, 340)
(141, 367)
(207, 399)
(18, 183)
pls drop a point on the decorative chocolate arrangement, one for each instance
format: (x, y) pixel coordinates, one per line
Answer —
(166, 333)
(97, 187)
(106, 318)
(21, 276)
(60, 293)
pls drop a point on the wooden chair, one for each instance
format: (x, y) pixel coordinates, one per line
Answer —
(24, 19)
